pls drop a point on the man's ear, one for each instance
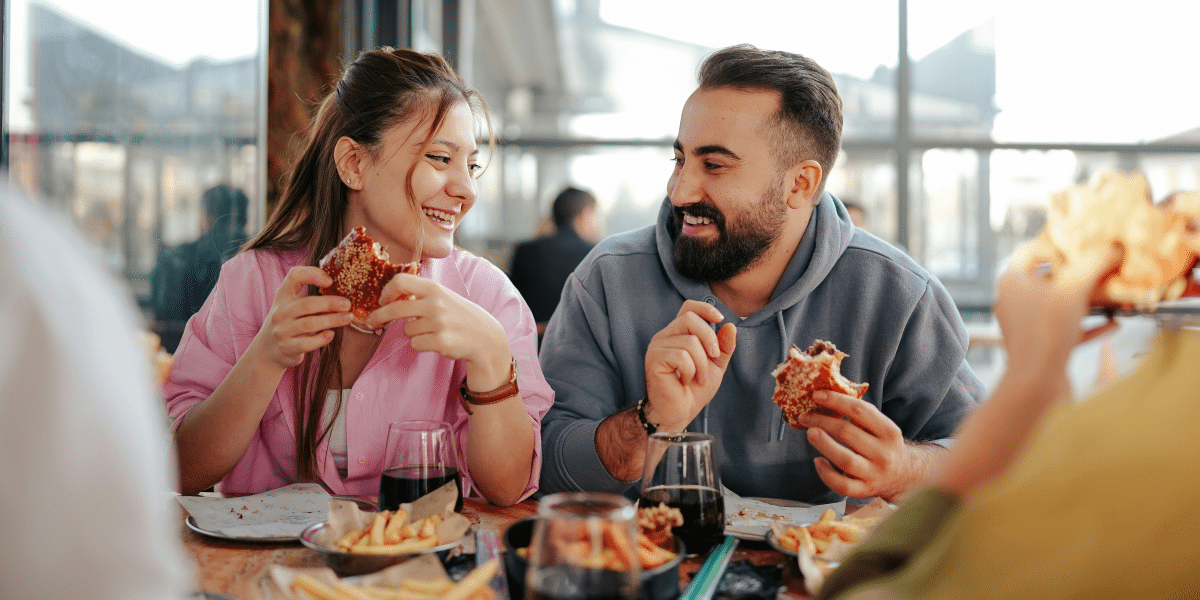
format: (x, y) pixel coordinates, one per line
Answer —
(805, 180)
(348, 157)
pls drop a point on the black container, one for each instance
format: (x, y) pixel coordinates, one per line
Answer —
(659, 583)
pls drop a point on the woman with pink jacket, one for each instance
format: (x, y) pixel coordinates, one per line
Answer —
(270, 387)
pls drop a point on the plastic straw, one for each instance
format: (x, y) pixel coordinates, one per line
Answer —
(704, 582)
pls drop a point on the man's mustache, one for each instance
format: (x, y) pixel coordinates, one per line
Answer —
(701, 210)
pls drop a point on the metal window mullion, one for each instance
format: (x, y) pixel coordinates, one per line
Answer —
(4, 71)
(903, 129)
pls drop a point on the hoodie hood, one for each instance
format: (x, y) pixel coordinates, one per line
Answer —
(827, 236)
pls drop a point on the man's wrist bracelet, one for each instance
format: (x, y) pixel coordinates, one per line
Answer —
(650, 428)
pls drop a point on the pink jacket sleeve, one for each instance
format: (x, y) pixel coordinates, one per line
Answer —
(488, 286)
(222, 330)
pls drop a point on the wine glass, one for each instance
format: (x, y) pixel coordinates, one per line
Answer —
(584, 547)
(681, 472)
(419, 458)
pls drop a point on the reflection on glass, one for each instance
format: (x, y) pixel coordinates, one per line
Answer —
(122, 116)
(1030, 71)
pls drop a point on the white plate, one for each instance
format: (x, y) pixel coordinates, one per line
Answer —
(191, 523)
(754, 529)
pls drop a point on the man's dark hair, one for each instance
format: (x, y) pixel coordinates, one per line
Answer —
(569, 204)
(809, 122)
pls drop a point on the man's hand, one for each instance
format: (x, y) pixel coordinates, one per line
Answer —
(685, 363)
(865, 455)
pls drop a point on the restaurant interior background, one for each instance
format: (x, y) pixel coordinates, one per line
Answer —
(962, 118)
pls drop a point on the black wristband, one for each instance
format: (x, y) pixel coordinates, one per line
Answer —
(641, 411)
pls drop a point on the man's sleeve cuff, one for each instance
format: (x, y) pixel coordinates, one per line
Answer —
(578, 466)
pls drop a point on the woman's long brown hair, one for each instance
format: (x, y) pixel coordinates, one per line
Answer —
(379, 90)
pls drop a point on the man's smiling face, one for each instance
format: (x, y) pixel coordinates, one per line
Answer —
(727, 189)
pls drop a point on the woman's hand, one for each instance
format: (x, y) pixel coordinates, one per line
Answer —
(439, 320)
(299, 324)
(1039, 312)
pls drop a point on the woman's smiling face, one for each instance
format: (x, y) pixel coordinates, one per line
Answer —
(443, 184)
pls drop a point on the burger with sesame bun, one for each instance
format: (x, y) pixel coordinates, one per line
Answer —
(359, 268)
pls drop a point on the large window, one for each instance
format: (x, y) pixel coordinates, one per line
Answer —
(123, 115)
(954, 150)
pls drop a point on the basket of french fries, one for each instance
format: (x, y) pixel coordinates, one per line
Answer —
(659, 554)
(354, 541)
(820, 547)
(422, 578)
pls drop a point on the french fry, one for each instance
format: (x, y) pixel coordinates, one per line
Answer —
(391, 533)
(316, 589)
(821, 530)
(350, 538)
(652, 555)
(473, 581)
(849, 532)
(428, 527)
(380, 593)
(352, 592)
(407, 594)
(405, 547)
(827, 516)
(377, 526)
(436, 587)
(613, 539)
(805, 541)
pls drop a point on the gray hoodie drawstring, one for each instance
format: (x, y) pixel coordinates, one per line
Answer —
(786, 347)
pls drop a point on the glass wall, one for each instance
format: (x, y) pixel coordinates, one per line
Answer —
(123, 115)
(990, 112)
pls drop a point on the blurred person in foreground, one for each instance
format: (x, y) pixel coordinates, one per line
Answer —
(84, 455)
(540, 266)
(1046, 498)
(749, 241)
(270, 385)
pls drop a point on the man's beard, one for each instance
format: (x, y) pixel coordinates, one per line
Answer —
(737, 246)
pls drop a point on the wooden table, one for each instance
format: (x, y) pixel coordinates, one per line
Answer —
(235, 568)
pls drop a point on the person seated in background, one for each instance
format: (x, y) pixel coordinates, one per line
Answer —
(1042, 497)
(185, 275)
(858, 214)
(84, 449)
(748, 239)
(540, 266)
(271, 387)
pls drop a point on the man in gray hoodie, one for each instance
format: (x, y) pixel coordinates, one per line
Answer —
(749, 240)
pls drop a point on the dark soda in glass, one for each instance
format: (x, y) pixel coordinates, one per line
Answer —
(703, 510)
(405, 484)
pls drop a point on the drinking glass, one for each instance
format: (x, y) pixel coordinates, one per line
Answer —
(420, 457)
(584, 547)
(681, 472)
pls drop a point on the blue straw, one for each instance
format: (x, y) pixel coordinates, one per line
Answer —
(704, 582)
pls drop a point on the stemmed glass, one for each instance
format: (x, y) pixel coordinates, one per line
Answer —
(419, 458)
(681, 472)
(584, 547)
